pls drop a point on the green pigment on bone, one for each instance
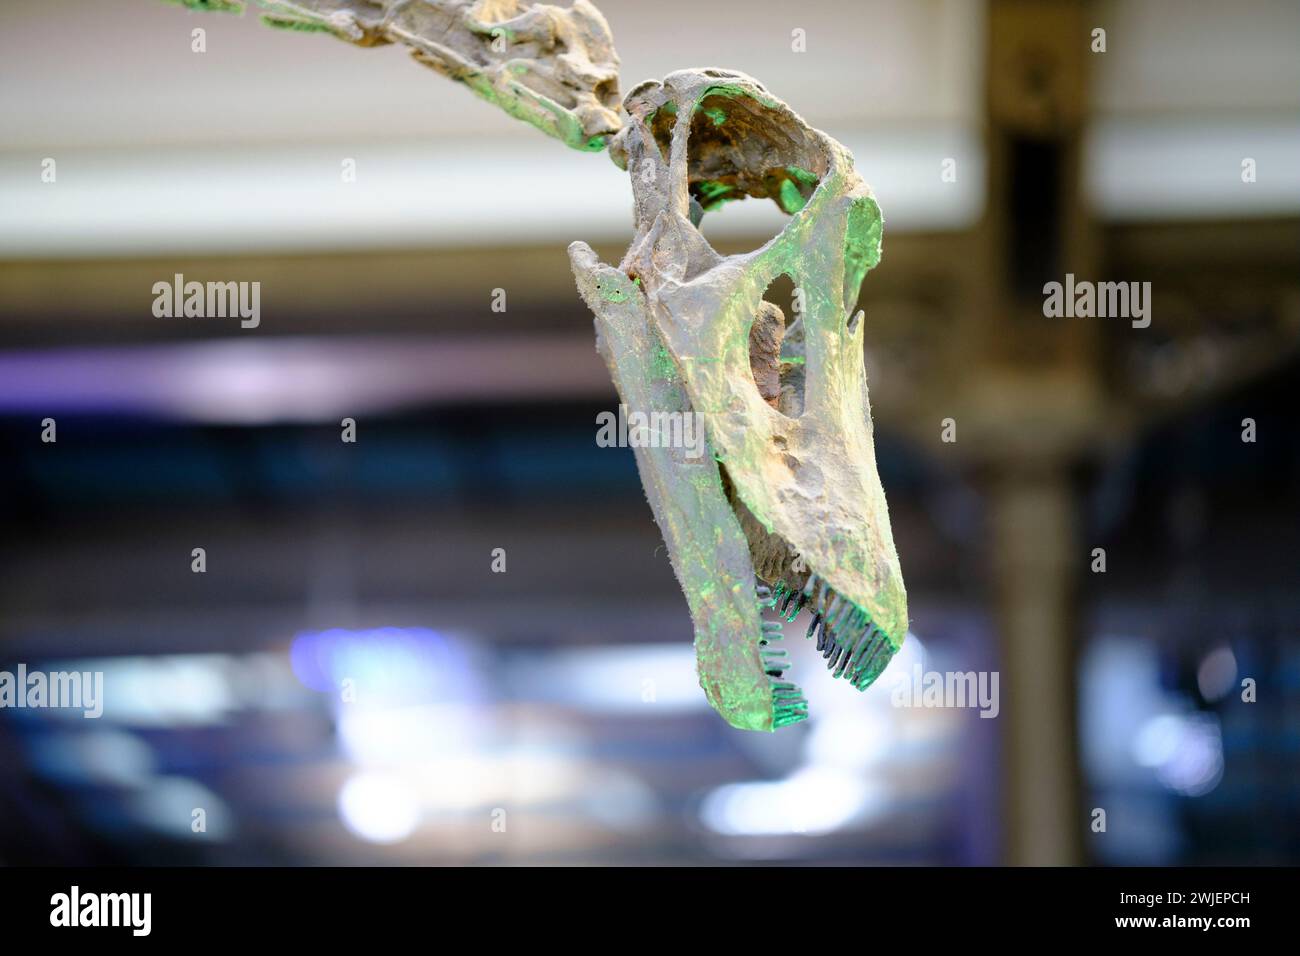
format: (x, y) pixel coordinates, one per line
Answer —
(790, 198)
(299, 26)
(212, 6)
(797, 189)
(713, 194)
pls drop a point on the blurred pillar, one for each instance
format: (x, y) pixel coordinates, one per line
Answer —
(1033, 530)
(1037, 401)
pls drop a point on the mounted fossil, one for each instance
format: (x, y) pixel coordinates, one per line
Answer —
(787, 512)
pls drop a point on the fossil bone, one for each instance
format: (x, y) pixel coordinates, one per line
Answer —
(805, 523)
(788, 512)
(551, 66)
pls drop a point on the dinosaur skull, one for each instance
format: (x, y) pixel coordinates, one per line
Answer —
(789, 511)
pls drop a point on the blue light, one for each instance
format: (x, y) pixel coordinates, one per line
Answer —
(397, 665)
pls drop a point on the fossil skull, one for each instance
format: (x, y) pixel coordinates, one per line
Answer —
(789, 512)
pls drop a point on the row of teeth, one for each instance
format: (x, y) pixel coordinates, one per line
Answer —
(789, 706)
(848, 640)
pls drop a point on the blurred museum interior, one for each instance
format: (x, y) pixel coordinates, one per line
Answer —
(550, 714)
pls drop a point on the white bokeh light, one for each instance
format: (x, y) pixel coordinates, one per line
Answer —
(379, 808)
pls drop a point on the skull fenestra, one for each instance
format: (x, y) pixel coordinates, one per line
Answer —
(788, 511)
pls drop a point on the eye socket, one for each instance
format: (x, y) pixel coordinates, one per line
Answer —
(741, 146)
